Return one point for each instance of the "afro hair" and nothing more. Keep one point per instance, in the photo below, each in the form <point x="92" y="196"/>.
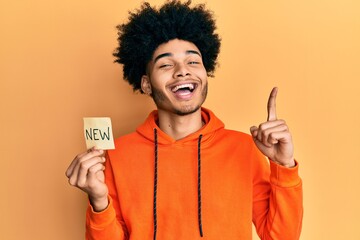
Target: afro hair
<point x="149" y="27"/>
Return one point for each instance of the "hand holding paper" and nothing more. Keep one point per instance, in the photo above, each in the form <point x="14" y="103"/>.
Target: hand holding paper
<point x="86" y="171"/>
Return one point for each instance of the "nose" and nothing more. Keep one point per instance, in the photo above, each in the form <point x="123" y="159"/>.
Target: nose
<point x="181" y="70"/>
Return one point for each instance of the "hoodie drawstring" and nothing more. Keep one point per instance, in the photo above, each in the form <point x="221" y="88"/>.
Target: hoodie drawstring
<point x="156" y="180"/>
<point x="199" y="186"/>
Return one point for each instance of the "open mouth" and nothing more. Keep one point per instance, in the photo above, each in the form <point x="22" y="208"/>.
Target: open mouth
<point x="185" y="88"/>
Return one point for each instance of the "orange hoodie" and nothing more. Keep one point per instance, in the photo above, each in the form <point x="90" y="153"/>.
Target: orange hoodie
<point x="214" y="182"/>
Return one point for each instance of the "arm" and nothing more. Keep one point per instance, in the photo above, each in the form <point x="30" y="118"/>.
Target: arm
<point x="277" y="206"/>
<point x="277" y="201"/>
<point x="107" y="224"/>
<point x="86" y="172"/>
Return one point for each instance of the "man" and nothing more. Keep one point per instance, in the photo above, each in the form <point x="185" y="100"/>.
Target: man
<point x="182" y="175"/>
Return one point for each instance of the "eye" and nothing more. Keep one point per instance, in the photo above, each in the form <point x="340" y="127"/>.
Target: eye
<point x="165" y="65"/>
<point x="193" y="62"/>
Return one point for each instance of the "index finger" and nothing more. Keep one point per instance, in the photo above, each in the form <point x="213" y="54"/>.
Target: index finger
<point x="271" y="106"/>
<point x="88" y="154"/>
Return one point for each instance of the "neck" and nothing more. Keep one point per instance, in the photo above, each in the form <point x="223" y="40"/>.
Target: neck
<point x="178" y="126"/>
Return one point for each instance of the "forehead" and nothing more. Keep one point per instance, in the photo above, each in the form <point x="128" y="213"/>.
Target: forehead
<point x="174" y="47"/>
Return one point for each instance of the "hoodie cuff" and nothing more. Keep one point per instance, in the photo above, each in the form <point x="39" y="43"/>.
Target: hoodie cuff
<point x="103" y="218"/>
<point x="284" y="177"/>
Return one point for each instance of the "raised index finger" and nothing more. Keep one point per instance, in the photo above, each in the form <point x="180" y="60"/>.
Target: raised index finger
<point x="271" y="106"/>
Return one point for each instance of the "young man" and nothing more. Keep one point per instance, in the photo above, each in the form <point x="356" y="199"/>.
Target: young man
<point x="182" y="175"/>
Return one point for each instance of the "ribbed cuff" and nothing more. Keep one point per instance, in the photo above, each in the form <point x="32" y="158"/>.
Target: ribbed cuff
<point x="284" y="177"/>
<point x="103" y="218"/>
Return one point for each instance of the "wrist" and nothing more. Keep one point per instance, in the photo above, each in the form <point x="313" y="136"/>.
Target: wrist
<point x="288" y="163"/>
<point x="99" y="204"/>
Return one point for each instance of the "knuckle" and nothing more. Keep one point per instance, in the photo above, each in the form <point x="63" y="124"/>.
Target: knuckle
<point x="282" y="121"/>
<point x="285" y="127"/>
<point x="72" y="182"/>
<point x="272" y="136"/>
<point x="82" y="159"/>
<point x="266" y="132"/>
<point x="93" y="169"/>
<point x="77" y="157"/>
<point x="81" y="185"/>
<point x="83" y="165"/>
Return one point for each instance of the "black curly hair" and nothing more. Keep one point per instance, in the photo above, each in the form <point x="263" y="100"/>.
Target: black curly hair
<point x="149" y="27"/>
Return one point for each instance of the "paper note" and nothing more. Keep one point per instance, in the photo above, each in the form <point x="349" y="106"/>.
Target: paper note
<point x="98" y="133"/>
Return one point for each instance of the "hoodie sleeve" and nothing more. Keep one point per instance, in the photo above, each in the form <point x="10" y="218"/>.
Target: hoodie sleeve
<point x="277" y="200"/>
<point x="108" y="224"/>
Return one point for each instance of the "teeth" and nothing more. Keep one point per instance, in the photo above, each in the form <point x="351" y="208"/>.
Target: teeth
<point x="187" y="85"/>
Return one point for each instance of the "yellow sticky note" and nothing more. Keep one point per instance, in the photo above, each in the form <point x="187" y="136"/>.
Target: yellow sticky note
<point x="98" y="133"/>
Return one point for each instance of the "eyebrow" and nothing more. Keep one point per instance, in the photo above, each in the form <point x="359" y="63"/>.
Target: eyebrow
<point x="170" y="54"/>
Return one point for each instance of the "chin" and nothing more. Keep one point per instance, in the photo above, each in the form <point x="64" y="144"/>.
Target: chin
<point x="187" y="110"/>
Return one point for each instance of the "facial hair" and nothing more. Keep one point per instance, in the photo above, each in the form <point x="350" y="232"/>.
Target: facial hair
<point x="161" y="99"/>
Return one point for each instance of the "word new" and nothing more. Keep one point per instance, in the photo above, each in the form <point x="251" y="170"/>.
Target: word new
<point x="95" y="133"/>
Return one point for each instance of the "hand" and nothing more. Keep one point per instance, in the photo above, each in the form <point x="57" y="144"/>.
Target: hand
<point x="86" y="172"/>
<point x="273" y="137"/>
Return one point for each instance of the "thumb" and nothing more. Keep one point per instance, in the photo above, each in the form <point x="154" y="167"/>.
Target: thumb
<point x="254" y="131"/>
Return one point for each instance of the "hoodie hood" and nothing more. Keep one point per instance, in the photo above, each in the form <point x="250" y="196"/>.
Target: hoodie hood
<point x="212" y="124"/>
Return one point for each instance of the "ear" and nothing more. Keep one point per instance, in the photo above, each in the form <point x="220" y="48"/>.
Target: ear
<point x="145" y="85"/>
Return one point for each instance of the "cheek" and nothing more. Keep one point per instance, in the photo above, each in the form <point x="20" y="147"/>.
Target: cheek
<point x="157" y="95"/>
<point x="158" y="80"/>
<point x="204" y="77"/>
<point x="205" y="90"/>
<point x="202" y="74"/>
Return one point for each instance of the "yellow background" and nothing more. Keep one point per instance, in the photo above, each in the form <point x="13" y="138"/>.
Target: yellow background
<point x="56" y="67"/>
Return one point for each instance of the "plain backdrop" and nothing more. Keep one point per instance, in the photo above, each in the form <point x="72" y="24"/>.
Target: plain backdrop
<point x="56" y="67"/>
